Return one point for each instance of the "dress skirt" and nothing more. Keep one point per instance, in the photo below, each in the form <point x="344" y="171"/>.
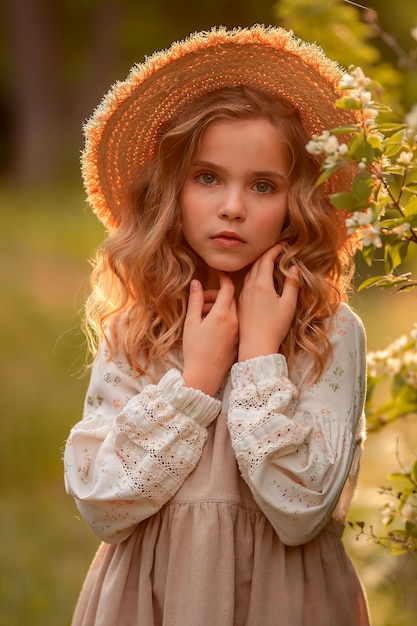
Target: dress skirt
<point x="210" y="557"/>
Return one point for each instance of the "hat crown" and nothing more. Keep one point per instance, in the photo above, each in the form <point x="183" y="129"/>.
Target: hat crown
<point x="122" y="134"/>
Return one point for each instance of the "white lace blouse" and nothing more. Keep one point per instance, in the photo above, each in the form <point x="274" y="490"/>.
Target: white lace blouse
<point x="297" y="445"/>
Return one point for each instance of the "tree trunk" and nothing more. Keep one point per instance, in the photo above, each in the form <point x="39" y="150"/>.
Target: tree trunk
<point x="38" y="105"/>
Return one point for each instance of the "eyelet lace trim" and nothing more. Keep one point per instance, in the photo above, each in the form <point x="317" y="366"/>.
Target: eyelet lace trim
<point x="272" y="401"/>
<point x="251" y="455"/>
<point x="161" y="452"/>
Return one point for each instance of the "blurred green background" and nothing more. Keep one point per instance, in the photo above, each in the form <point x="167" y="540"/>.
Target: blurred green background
<point x="57" y="60"/>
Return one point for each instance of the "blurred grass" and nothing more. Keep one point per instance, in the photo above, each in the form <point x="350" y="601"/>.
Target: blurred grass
<point x="46" y="238"/>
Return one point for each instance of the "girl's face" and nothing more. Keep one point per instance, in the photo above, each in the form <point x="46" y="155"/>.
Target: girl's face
<point x="234" y="199"/>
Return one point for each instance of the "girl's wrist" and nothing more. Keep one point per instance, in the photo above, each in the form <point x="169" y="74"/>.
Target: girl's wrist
<point x="201" y="383"/>
<point x="254" y="350"/>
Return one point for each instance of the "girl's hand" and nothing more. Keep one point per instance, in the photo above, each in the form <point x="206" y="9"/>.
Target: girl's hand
<point x="264" y="316"/>
<point x="210" y="335"/>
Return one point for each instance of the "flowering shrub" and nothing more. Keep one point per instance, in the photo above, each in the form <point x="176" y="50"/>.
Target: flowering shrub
<point x="381" y="213"/>
<point x="399" y="514"/>
<point x="397" y="366"/>
<point x="381" y="208"/>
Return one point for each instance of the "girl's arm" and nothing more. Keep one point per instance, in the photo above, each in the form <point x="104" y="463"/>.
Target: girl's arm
<point x="135" y="446"/>
<point x="138" y="442"/>
<point x="295" y="451"/>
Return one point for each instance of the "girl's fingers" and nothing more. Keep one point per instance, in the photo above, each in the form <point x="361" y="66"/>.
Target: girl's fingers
<point x="195" y="302"/>
<point x="201" y="302"/>
<point x="291" y="288"/>
<point x="227" y="290"/>
<point x="265" y="263"/>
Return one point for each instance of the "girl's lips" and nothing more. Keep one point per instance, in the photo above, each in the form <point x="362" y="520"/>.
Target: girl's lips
<point x="227" y="240"/>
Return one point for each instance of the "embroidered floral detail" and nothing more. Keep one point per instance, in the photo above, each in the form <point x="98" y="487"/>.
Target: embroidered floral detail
<point x="334" y="379"/>
<point x="113" y="380"/>
<point x="94" y="401"/>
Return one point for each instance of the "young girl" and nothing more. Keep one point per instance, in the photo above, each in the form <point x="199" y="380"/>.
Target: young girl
<point x="222" y="431"/>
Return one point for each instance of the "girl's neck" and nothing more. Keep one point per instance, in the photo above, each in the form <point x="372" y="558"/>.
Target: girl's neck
<point x="210" y="279"/>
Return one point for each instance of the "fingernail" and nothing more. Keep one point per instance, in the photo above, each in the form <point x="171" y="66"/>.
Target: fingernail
<point x="294" y="270"/>
<point x="195" y="285"/>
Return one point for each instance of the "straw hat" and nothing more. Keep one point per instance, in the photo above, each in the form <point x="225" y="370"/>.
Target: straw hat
<point x="121" y="134"/>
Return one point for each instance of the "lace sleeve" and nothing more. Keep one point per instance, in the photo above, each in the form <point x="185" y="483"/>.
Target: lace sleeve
<point x="295" y="448"/>
<point x="134" y="447"/>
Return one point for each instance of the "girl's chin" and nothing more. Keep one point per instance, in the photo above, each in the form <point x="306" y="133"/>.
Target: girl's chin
<point x="209" y="276"/>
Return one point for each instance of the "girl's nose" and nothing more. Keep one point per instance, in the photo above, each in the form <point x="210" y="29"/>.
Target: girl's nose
<point x="233" y="207"/>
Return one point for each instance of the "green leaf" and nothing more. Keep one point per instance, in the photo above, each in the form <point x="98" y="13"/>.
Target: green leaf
<point x="368" y="255"/>
<point x="411" y="529"/>
<point x="348" y="103"/>
<point x="410" y="208"/>
<point x="393" y="144"/>
<point x="407" y="286"/>
<point x="360" y="148"/>
<point x="346" y="130"/>
<point x="394" y="254"/>
<point x="411" y="174"/>
<point x="344" y="200"/>
<point x="405" y="402"/>
<point x="394" y="169"/>
<point x="390" y="127"/>
<point x="362" y="186"/>
<point x="375" y="142"/>
<point x="392" y="223"/>
<point x="398" y="476"/>
<point x="404" y="497"/>
<point x="383" y="282"/>
<point x="325" y="174"/>
<point x="370" y="282"/>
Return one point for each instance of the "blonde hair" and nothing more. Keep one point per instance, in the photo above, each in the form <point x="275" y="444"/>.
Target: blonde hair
<point x="144" y="268"/>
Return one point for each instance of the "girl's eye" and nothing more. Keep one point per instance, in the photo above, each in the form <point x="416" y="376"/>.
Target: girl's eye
<point x="207" y="178"/>
<point x="263" y="187"/>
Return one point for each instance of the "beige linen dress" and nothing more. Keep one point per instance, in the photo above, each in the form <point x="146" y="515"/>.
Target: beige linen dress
<point x="226" y="511"/>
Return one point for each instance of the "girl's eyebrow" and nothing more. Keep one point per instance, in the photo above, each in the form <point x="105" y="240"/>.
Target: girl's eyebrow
<point x="256" y="174"/>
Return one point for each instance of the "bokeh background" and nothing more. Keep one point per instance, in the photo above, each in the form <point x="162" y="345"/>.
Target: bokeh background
<point x="58" y="57"/>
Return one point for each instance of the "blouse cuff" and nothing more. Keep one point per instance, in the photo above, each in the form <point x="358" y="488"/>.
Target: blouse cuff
<point x="258" y="370"/>
<point x="192" y="402"/>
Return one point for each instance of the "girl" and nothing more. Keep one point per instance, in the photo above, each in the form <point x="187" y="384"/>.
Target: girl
<point x="223" y="423"/>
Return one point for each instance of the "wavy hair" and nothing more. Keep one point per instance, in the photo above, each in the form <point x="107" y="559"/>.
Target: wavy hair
<point x="143" y="270"/>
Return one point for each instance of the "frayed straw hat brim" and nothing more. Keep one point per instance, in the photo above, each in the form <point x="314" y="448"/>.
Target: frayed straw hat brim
<point x="122" y="133"/>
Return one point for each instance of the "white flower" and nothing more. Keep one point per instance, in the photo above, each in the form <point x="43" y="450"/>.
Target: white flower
<point x="347" y="81"/>
<point x="366" y="98"/>
<point x="354" y="79"/>
<point x="331" y="145"/>
<point x="314" y="147"/>
<point x="409" y="512"/>
<point x="401" y="229"/>
<point x="343" y="148"/>
<point x="405" y="158"/>
<point x="360" y="77"/>
<point x="399" y="344"/>
<point x="358" y="218"/>
<point x="388" y="513"/>
<point x="331" y="161"/>
<point x="411" y="118"/>
<point x="410" y="359"/>
<point x="393" y="366"/>
<point x="370" y="236"/>
<point x="364" y="217"/>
